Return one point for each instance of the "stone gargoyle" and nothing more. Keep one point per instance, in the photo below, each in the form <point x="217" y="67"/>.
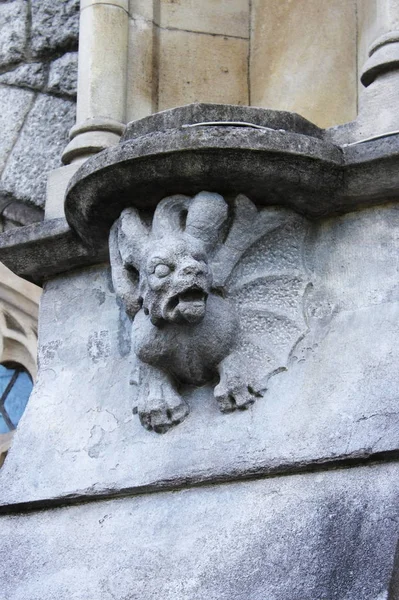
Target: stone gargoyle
<point x="215" y="294"/>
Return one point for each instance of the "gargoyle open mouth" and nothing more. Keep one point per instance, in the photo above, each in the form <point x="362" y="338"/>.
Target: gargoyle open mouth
<point x="189" y="305"/>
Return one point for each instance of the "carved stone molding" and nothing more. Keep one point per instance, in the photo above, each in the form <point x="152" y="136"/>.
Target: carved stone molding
<point x="18" y="330"/>
<point x="19" y="305"/>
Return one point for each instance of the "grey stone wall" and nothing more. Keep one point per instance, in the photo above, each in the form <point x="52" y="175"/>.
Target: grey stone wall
<point x="38" y="73"/>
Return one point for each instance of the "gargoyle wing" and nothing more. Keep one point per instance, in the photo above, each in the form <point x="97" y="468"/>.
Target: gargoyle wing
<point x="125" y="279"/>
<point x="248" y="226"/>
<point x="262" y="271"/>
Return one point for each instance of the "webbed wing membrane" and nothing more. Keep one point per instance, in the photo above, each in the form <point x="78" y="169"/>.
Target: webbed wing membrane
<point x="248" y="226"/>
<point x="261" y="268"/>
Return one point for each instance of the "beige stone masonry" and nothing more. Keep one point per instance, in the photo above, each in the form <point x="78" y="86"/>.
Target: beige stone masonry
<point x="143" y="9"/>
<point x="57" y="183"/>
<point x="201" y="68"/>
<point x="303" y="58"/>
<point x="186" y="51"/>
<point x="223" y="17"/>
<point x="141" y="98"/>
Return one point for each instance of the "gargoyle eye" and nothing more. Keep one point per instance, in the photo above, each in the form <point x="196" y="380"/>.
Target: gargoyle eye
<point x="162" y="270"/>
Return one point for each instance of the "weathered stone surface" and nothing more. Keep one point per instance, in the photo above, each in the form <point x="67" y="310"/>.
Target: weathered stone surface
<point x="314" y="536"/>
<point x="286" y="69"/>
<point x="269" y="164"/>
<point x="63" y="74"/>
<point x="45" y="250"/>
<point x="140" y="76"/>
<point x="207" y="16"/>
<point x="38" y="149"/>
<point x="54" y="26"/>
<point x="198" y="67"/>
<point x="273" y="158"/>
<point x="31" y="75"/>
<point x="13" y="17"/>
<point x="199" y="113"/>
<point x="17" y="214"/>
<point x="14" y="106"/>
<point x="337" y="400"/>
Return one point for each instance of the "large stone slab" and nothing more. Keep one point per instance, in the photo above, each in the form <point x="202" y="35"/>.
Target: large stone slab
<point x="220" y="64"/>
<point x="55" y="26"/>
<point x="63" y="74"/>
<point x="273" y="157"/>
<point x="286" y="73"/>
<point x="337" y="400"/>
<point x="318" y="536"/>
<point x="207" y="17"/>
<point x="38" y="149"/>
<point x="30" y="75"/>
<point x="13" y="25"/>
<point x="14" y="106"/>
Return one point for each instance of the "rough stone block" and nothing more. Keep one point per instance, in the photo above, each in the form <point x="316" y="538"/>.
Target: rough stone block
<point x="207" y="16"/>
<point x="13" y="16"/>
<point x="14" y="106"/>
<point x="30" y="75"/>
<point x="196" y="67"/>
<point x="318" y="536"/>
<point x="38" y="149"/>
<point x="303" y="58"/>
<point x="64" y="74"/>
<point x="55" y="26"/>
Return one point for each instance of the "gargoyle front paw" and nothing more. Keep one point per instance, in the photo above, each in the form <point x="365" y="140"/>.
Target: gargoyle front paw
<point x="235" y="398"/>
<point x="159" y="414"/>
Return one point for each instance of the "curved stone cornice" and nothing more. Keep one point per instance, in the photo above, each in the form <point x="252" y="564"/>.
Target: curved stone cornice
<point x="275" y="158"/>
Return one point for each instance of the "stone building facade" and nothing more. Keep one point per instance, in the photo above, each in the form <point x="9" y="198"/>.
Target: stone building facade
<point x="215" y="410"/>
<point x="38" y="72"/>
<point x="38" y="79"/>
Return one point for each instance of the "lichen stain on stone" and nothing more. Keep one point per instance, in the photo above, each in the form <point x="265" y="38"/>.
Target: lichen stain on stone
<point x="48" y="352"/>
<point x="98" y="346"/>
<point x="100" y="296"/>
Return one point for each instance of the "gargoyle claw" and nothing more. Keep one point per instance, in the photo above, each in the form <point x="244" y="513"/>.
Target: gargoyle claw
<point x="162" y="416"/>
<point x="239" y="399"/>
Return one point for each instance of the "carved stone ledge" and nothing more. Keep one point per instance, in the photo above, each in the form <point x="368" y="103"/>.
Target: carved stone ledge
<point x="42" y="250"/>
<point x="275" y="158"/>
<point x="272" y="157"/>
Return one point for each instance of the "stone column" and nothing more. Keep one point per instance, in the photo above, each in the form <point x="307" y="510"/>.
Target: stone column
<point x="378" y="65"/>
<point x="103" y="50"/>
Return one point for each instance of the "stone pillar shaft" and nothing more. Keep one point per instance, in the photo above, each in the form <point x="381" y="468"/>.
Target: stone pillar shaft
<point x="103" y="44"/>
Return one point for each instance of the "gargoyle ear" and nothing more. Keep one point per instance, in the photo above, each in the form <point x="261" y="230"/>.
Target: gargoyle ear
<point x="132" y="237"/>
<point x="170" y="215"/>
<point x="206" y="214"/>
<point x="125" y="282"/>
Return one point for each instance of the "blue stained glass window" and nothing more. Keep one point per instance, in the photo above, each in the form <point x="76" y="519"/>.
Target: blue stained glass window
<point x="15" y="389"/>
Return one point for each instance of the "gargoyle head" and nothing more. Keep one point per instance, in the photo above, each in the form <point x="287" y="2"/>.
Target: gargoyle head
<point x="176" y="280"/>
<point x="172" y="258"/>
